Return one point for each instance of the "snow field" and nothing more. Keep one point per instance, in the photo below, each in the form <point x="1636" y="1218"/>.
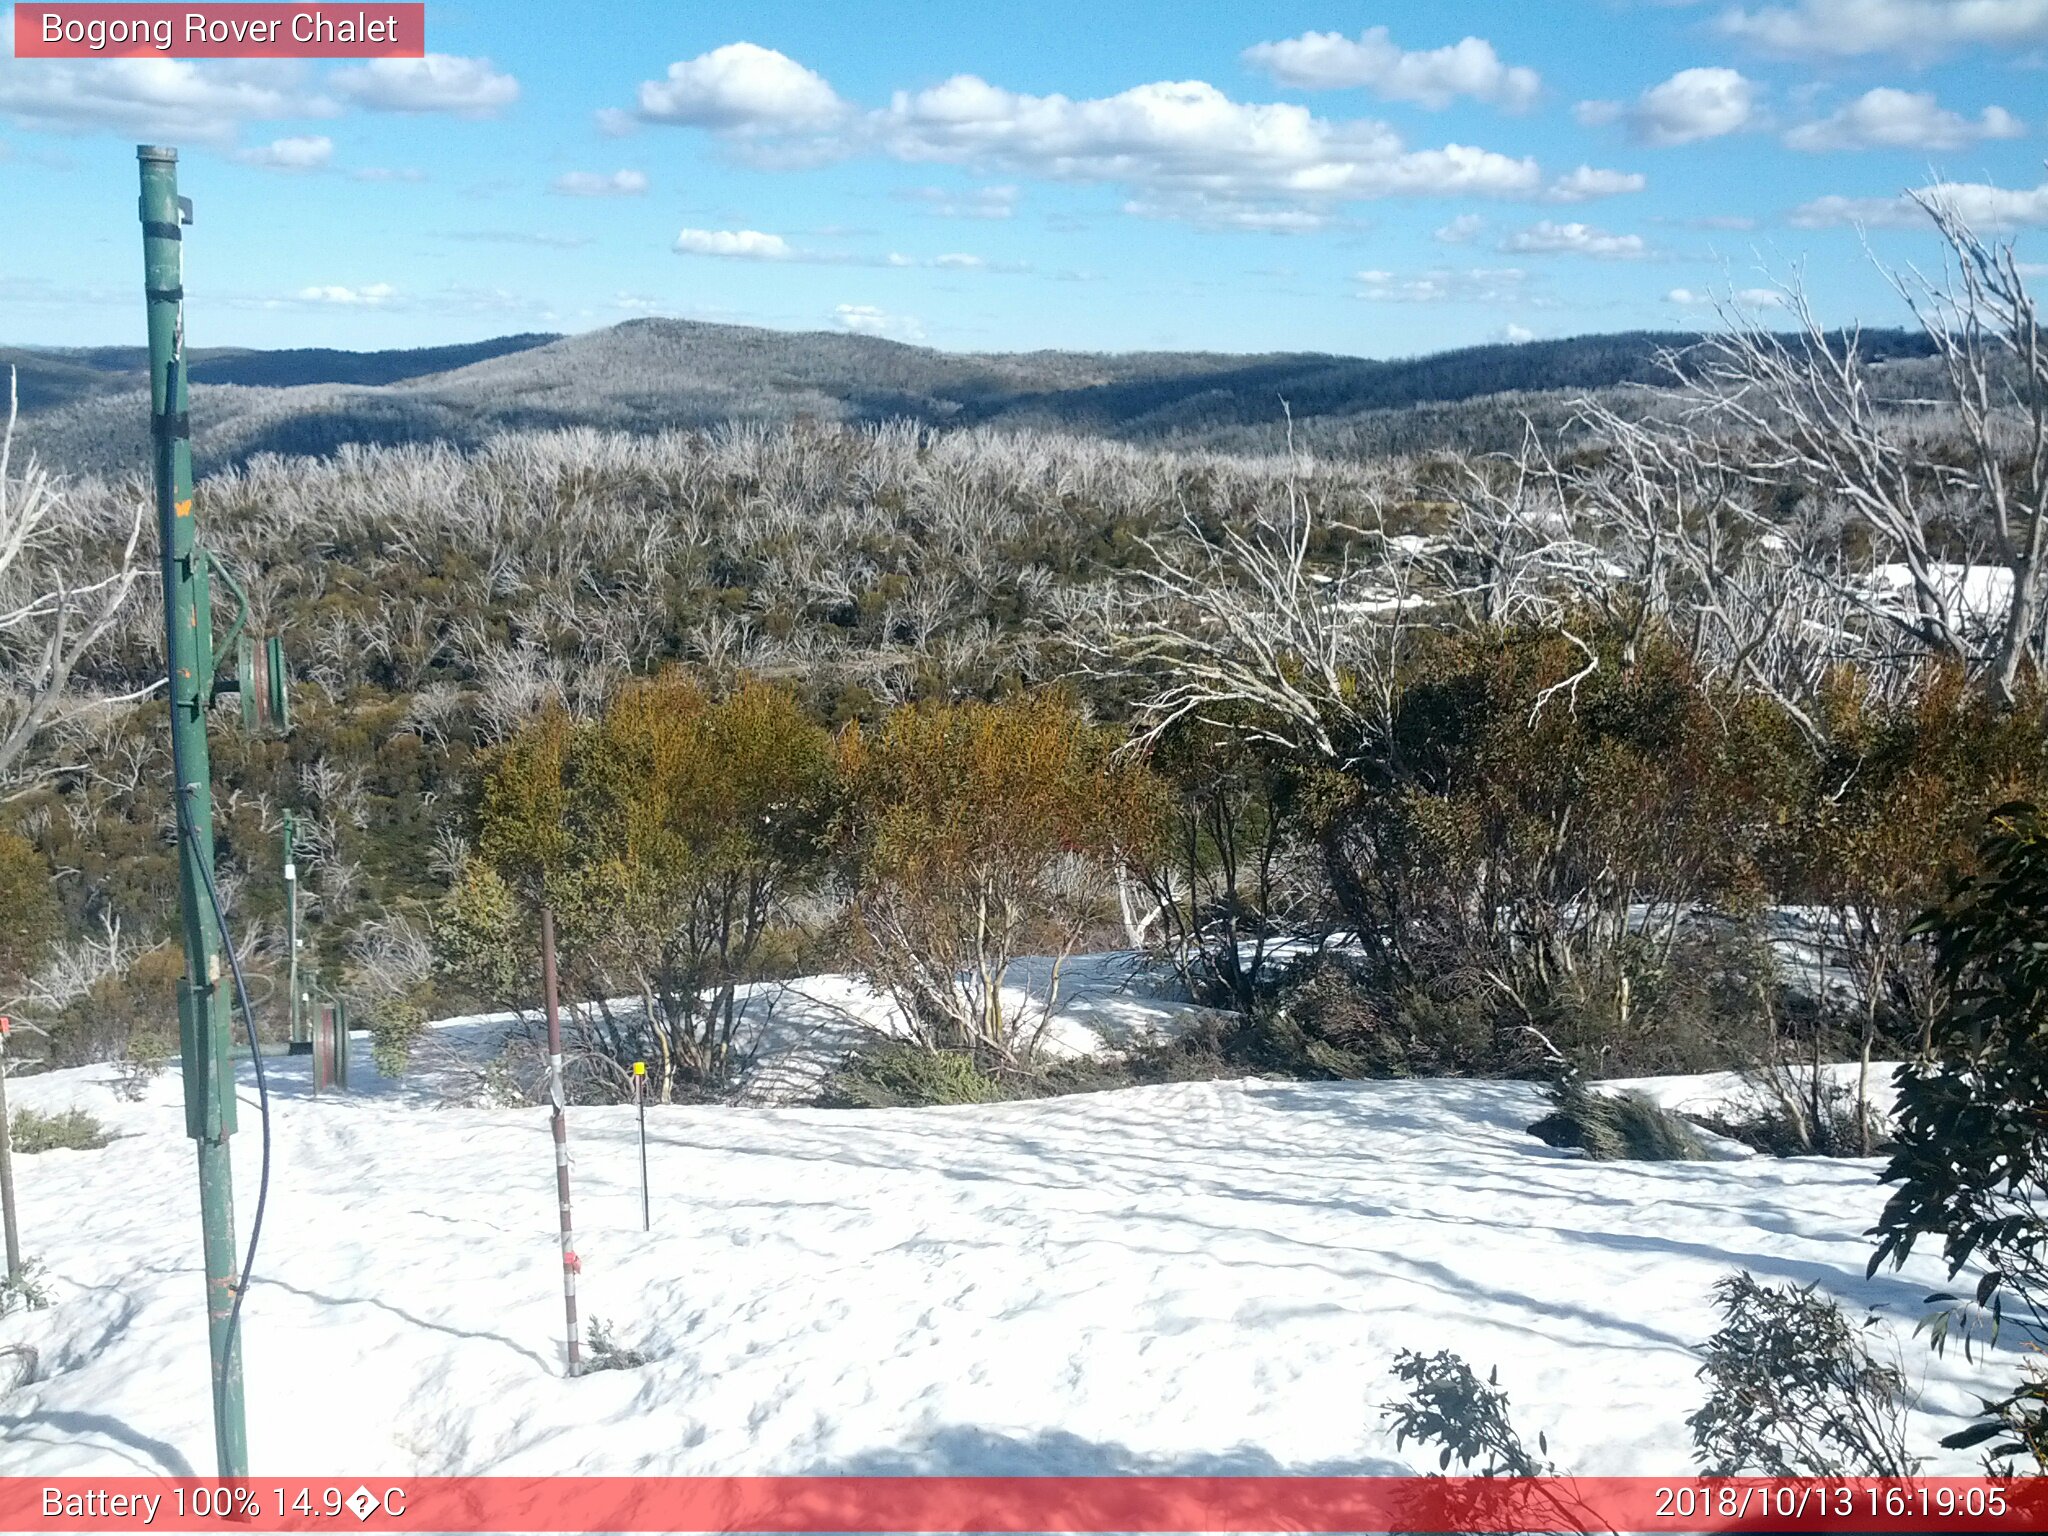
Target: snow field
<point x="1191" y="1278"/>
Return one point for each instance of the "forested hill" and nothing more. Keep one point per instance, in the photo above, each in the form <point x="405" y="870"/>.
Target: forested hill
<point x="83" y="409"/>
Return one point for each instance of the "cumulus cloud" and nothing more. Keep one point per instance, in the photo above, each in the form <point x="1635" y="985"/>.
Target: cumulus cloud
<point x="737" y="244"/>
<point x="1516" y="334"/>
<point x="372" y="294"/>
<point x="1981" y="205"/>
<point x="599" y="184"/>
<point x="1462" y="230"/>
<point x="1549" y="238"/>
<point x="440" y="82"/>
<point x="1886" y="118"/>
<point x="1917" y="29"/>
<point x="1432" y="78"/>
<point x="867" y="320"/>
<point x="1693" y="104"/>
<point x="153" y="98"/>
<point x="741" y="87"/>
<point x="1588" y="183"/>
<point x="308" y="153"/>
<point x="1444" y="285"/>
<point x="1182" y="149"/>
<point x="1743" y="298"/>
<point x="1185" y="135"/>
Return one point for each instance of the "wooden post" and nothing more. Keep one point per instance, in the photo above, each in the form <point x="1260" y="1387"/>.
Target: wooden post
<point x="341" y="1044"/>
<point x="7" y="1165"/>
<point x="640" y="1102"/>
<point x="559" y="1124"/>
<point x="323" y="1048"/>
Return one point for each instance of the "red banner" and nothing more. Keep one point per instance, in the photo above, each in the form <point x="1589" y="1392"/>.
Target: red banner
<point x="1019" y="1504"/>
<point x="101" y="31"/>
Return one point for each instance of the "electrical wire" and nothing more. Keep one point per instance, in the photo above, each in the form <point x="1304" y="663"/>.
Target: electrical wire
<point x="227" y="943"/>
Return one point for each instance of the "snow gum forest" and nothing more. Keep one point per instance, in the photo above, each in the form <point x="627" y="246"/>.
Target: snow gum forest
<point x="1512" y="954"/>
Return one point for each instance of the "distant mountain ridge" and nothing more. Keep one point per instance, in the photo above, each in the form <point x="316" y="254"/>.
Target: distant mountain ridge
<point x="82" y="407"/>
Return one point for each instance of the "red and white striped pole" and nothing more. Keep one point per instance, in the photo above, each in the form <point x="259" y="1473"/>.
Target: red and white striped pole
<point x="559" y="1123"/>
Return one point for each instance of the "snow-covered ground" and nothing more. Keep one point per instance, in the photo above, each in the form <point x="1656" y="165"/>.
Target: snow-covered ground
<point x="1200" y="1277"/>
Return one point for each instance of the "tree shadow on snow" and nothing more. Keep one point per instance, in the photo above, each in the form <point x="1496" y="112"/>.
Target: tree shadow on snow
<point x="966" y="1450"/>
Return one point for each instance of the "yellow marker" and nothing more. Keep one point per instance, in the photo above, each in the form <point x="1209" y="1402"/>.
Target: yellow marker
<point x="185" y="507"/>
<point x="639" y="1069"/>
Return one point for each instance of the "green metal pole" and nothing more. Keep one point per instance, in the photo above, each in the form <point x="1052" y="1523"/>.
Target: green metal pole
<point x="205" y="1038"/>
<point x="298" y="1021"/>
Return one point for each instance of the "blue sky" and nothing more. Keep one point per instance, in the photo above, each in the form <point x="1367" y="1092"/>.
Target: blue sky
<point x="1382" y="179"/>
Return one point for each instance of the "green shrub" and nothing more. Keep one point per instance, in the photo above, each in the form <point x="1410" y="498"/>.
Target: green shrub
<point x="394" y="1032"/>
<point x="1795" y="1391"/>
<point x="1971" y="1163"/>
<point x="32" y="1131"/>
<point x="1821" y="1120"/>
<point x="606" y="1354"/>
<point x="977" y="834"/>
<point x="24" y="1291"/>
<point x="898" y="1075"/>
<point x="1450" y="1407"/>
<point x="1614" y="1127"/>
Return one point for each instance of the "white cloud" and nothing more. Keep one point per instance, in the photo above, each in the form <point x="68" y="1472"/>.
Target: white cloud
<point x="1515" y="335"/>
<point x="741" y="87"/>
<point x="157" y="98"/>
<point x="1745" y="298"/>
<point x="372" y="294"/>
<point x="599" y="184"/>
<point x="439" y="82"/>
<point x="1887" y="118"/>
<point x="1917" y="29"/>
<point x="1435" y="78"/>
<point x="975" y="203"/>
<point x="1983" y="206"/>
<point x="1693" y="104"/>
<point x="867" y="320"/>
<point x="308" y="153"/>
<point x="1444" y="285"/>
<point x="1588" y="182"/>
<point x="1229" y="213"/>
<point x="1183" y="149"/>
<point x="1185" y="136"/>
<point x="1549" y="238"/>
<point x="960" y="260"/>
<point x="1462" y="230"/>
<point x="740" y="244"/>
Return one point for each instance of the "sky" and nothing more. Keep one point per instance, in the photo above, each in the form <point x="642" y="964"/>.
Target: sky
<point x="1382" y="180"/>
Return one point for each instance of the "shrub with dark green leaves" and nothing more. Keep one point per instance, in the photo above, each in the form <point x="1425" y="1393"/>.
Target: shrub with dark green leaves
<point x="1611" y="1127"/>
<point x="1795" y="1390"/>
<point x="1450" y="1407"/>
<point x="1971" y="1163"/>
<point x="606" y="1354"/>
<point x="396" y="1029"/>
<point x="32" y="1131"/>
<point x="898" y="1075"/>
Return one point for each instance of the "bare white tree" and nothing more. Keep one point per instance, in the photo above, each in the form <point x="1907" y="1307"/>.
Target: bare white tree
<point x="1802" y="412"/>
<point x="49" y="622"/>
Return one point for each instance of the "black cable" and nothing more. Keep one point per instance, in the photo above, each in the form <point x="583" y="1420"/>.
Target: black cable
<point x="220" y="919"/>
